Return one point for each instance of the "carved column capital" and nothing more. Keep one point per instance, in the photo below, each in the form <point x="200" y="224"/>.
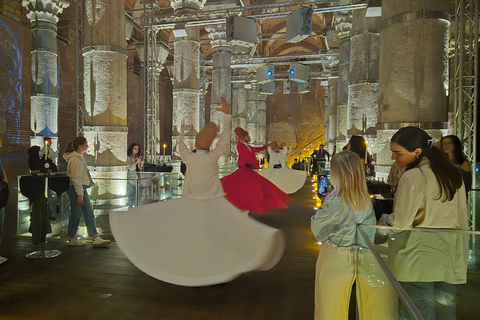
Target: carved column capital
<point x="217" y="33"/>
<point x="187" y="4"/>
<point x="44" y="9"/>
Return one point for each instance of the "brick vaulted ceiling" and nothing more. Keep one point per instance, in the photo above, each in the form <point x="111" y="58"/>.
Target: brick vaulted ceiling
<point x="271" y="31"/>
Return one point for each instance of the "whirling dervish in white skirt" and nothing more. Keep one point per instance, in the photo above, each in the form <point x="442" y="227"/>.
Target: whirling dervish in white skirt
<point x="200" y="239"/>
<point x="287" y="180"/>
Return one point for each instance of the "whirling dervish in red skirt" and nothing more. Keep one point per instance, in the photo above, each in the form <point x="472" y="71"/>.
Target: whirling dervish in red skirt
<point x="245" y="188"/>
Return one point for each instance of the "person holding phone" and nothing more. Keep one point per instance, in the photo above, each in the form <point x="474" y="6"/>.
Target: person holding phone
<point x="134" y="164"/>
<point x="335" y="225"/>
<point x="135" y="160"/>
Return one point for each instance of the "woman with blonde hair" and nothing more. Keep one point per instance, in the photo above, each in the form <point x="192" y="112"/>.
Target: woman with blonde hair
<point x="335" y="224"/>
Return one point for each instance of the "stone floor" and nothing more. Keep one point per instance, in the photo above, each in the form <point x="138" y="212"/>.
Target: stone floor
<point x="101" y="283"/>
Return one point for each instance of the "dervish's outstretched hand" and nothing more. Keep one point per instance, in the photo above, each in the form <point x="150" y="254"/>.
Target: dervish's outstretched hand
<point x="224" y="107"/>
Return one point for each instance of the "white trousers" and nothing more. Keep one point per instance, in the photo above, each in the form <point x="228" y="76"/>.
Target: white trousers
<point x="337" y="269"/>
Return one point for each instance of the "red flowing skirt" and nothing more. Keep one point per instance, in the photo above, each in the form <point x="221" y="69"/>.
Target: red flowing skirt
<point x="247" y="190"/>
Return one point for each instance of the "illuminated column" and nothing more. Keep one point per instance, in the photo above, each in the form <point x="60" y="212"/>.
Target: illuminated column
<point x="342" y="91"/>
<point x="413" y="74"/>
<point x="363" y="77"/>
<point x="332" y="116"/>
<point x="262" y="119"/>
<point x="105" y="84"/>
<point x="252" y="114"/>
<point x="221" y="72"/>
<point x="343" y="25"/>
<point x="326" y="118"/>
<point x="44" y="91"/>
<point x="239" y="103"/>
<point x="186" y="78"/>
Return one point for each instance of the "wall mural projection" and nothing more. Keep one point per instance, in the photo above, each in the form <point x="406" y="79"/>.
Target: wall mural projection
<point x="11" y="88"/>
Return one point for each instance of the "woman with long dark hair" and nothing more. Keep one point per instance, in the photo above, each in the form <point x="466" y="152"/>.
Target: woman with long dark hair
<point x="430" y="194"/>
<point x="452" y="147"/>
<point x="80" y="204"/>
<point x="429" y="185"/>
<point x="134" y="158"/>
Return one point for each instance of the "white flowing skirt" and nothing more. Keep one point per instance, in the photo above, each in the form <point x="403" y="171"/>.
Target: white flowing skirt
<point x="287" y="180"/>
<point x="192" y="242"/>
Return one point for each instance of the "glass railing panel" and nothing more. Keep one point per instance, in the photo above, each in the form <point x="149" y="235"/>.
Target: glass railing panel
<point x="105" y="195"/>
<point x="432" y="273"/>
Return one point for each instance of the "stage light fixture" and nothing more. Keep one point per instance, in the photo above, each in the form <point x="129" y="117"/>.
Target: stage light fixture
<point x="241" y="31"/>
<point x="268" y="88"/>
<point x="299" y="25"/>
<point x="265" y="73"/>
<point x="298" y="72"/>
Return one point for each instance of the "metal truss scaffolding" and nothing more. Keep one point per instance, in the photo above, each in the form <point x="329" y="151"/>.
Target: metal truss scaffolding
<point x="466" y="80"/>
<point x="151" y="93"/>
<point x="79" y="15"/>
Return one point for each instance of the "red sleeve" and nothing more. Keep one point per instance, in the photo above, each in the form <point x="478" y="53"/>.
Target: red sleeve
<point x="258" y="149"/>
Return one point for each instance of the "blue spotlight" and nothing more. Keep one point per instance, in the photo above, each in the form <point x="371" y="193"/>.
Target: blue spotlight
<point x="292" y="71"/>
<point x="269" y="73"/>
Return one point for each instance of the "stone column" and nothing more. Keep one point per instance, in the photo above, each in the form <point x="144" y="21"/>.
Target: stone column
<point x="262" y="119"/>
<point x="326" y="119"/>
<point x="105" y="84"/>
<point x="252" y="114"/>
<point x="221" y="72"/>
<point x="44" y="90"/>
<point x="342" y="92"/>
<point x="186" y="78"/>
<point x="332" y="117"/>
<point x="413" y="75"/>
<point x="239" y="103"/>
<point x="363" y="77"/>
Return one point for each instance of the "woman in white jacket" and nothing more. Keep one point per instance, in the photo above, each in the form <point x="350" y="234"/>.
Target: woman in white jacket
<point x="80" y="180"/>
<point x="430" y="194"/>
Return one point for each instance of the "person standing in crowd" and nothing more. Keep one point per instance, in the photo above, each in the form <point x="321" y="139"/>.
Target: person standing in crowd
<point x="80" y="204"/>
<point x="430" y="194"/>
<point x="296" y="165"/>
<point x="37" y="164"/>
<point x="323" y="157"/>
<point x="3" y="178"/>
<point x="335" y="224"/>
<point x="135" y="160"/>
<point x="245" y="188"/>
<point x="135" y="164"/>
<point x="452" y="147"/>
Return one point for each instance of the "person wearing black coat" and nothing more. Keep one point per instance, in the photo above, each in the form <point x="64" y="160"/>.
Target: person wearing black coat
<point x="37" y="164"/>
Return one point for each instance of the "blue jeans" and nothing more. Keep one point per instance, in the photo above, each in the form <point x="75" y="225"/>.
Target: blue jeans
<point x="434" y="300"/>
<point x="2" y="218"/>
<point x="76" y="212"/>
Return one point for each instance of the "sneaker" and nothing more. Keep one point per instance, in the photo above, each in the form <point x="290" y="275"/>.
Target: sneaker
<point x="99" y="242"/>
<point x="76" y="242"/>
<point x="3" y="259"/>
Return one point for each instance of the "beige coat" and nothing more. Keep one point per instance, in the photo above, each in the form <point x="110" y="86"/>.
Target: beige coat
<point x="77" y="171"/>
<point x="417" y="205"/>
<point x="423" y="255"/>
